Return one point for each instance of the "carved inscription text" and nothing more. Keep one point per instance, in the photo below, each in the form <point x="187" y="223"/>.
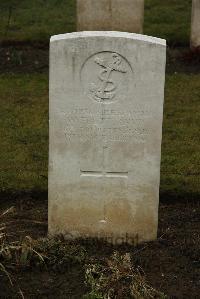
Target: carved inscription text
<point x="108" y="124"/>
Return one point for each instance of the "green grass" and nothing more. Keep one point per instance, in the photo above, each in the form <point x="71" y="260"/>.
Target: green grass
<point x="168" y="19"/>
<point x="180" y="171"/>
<point x="37" y="20"/>
<point x="24" y="134"/>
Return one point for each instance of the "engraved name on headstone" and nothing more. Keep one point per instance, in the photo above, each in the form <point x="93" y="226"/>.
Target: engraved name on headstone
<point x="106" y="109"/>
<point x="116" y="15"/>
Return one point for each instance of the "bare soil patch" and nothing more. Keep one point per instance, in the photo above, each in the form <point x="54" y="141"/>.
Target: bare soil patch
<point x="171" y="264"/>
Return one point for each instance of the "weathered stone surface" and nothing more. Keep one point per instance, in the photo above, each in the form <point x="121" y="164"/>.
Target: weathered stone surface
<point x="116" y="15"/>
<point x="106" y="109"/>
<point x="195" y="27"/>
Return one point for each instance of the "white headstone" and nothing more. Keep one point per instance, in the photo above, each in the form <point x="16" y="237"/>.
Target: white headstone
<point x="106" y="110"/>
<point x="195" y="27"/>
<point x="116" y="15"/>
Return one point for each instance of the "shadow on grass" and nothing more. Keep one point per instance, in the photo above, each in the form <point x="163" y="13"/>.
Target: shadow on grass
<point x="35" y="195"/>
<point x="179" y="196"/>
<point x="167" y="197"/>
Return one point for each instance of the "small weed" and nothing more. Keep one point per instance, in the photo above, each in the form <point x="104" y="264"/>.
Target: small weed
<point x="93" y="295"/>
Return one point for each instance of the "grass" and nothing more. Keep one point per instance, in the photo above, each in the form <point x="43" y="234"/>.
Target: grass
<point x="36" y="20"/>
<point x="24" y="134"/>
<point x="168" y="19"/>
<point x="180" y="168"/>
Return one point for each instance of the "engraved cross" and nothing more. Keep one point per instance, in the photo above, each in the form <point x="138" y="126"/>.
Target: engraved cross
<point x="103" y="173"/>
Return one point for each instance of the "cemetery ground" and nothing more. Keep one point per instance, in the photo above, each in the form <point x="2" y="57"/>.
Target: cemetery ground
<point x="171" y="264"/>
<point x="33" y="266"/>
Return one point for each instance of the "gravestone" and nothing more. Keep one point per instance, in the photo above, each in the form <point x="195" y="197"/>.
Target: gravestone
<point x="116" y="15"/>
<point x="106" y="110"/>
<point x="195" y="27"/>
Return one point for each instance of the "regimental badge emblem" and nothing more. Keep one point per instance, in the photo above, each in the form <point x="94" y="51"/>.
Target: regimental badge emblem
<point x="107" y="75"/>
<point x="107" y="87"/>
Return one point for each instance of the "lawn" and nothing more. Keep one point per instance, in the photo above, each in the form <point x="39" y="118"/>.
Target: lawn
<point x="180" y="168"/>
<point x="24" y="134"/>
<point x="168" y="19"/>
<point x="24" y="98"/>
<point x="36" y="20"/>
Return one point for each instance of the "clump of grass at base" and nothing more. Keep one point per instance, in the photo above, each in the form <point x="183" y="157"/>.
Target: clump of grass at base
<point x="115" y="278"/>
<point x="52" y="253"/>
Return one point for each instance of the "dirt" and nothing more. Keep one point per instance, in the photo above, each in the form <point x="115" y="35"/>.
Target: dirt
<point x="171" y="264"/>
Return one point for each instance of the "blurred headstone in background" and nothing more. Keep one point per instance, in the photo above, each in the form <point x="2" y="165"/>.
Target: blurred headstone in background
<point x="110" y="15"/>
<point x="195" y="26"/>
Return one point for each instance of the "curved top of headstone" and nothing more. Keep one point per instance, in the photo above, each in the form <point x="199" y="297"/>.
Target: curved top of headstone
<point x="117" y="34"/>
